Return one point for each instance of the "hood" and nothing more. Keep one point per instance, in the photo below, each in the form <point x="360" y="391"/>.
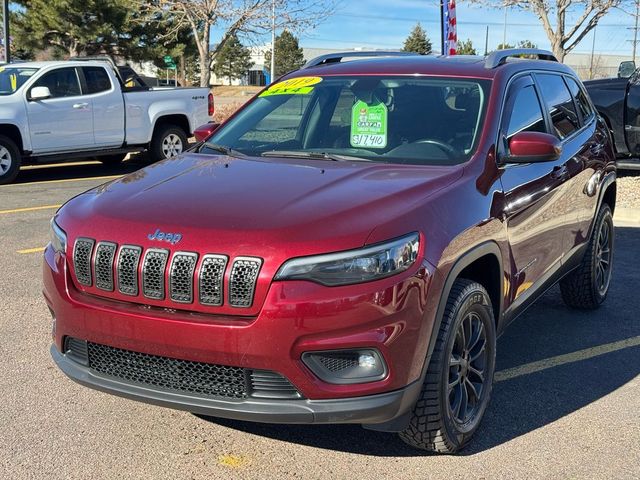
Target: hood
<point x="253" y="206"/>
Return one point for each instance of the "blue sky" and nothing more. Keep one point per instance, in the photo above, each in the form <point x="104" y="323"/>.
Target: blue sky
<point x="386" y="23"/>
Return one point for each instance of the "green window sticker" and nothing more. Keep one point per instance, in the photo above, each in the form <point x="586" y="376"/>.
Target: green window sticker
<point x="369" y="125"/>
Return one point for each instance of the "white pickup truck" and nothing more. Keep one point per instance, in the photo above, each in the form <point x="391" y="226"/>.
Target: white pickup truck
<point x="53" y="111"/>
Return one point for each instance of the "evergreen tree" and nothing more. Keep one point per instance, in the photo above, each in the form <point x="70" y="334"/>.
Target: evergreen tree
<point x="289" y="55"/>
<point x="233" y="61"/>
<point x="504" y="46"/>
<point x="465" y="47"/>
<point x="417" y="41"/>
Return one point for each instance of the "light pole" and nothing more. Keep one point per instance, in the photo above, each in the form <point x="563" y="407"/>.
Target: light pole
<point x="504" y="31"/>
<point x="5" y="29"/>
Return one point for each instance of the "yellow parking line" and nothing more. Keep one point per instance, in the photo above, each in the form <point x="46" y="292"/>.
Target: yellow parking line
<point x="29" y="209"/>
<point x="64" y="180"/>
<point x="58" y="165"/>
<point x="32" y="250"/>
<point x="578" y="356"/>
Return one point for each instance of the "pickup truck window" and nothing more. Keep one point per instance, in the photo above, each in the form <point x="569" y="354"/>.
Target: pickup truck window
<point x="581" y="99"/>
<point x="559" y="104"/>
<point x="97" y="79"/>
<point x="526" y="115"/>
<point x="12" y="78"/>
<point x="61" y="83"/>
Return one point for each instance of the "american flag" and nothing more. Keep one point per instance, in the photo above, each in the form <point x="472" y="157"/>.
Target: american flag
<point x="449" y="26"/>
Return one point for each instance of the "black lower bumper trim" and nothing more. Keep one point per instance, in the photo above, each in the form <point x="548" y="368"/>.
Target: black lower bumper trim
<point x="372" y="409"/>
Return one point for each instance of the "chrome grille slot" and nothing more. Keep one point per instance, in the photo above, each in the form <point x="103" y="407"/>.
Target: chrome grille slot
<point x="82" y="252"/>
<point x="242" y="281"/>
<point x="211" y="279"/>
<point x="153" y="270"/>
<point x="103" y="265"/>
<point x="183" y="266"/>
<point x="128" y="260"/>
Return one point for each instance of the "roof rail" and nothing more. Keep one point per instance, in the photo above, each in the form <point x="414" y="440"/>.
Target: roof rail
<point x="499" y="57"/>
<point x="338" y="56"/>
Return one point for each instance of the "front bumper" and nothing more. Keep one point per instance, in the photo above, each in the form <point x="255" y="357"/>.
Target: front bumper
<point x="371" y="409"/>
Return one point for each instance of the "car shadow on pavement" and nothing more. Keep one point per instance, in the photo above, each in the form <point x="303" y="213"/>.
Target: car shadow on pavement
<point x="79" y="169"/>
<point x="531" y="401"/>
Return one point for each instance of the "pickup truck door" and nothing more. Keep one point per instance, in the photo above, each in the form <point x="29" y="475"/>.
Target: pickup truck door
<point x="632" y="115"/>
<point x="64" y="121"/>
<point x="107" y="106"/>
<point x="536" y="210"/>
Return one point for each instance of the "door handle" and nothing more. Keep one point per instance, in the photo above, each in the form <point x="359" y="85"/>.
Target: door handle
<point x="80" y="106"/>
<point x="559" y="172"/>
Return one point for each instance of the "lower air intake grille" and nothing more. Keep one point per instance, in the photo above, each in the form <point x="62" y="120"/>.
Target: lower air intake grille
<point x="242" y="281"/>
<point x="82" y="260"/>
<point x="267" y="384"/>
<point x="168" y="373"/>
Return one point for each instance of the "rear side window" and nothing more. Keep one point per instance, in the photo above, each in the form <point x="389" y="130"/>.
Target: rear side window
<point x="61" y="83"/>
<point x="97" y="79"/>
<point x="581" y="99"/>
<point x="559" y="104"/>
<point x="526" y="115"/>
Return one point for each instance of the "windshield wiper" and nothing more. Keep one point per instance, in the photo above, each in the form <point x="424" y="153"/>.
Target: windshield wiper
<point x="223" y="149"/>
<point x="314" y="155"/>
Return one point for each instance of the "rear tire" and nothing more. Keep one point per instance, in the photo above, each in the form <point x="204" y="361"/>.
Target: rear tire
<point x="459" y="379"/>
<point x="587" y="286"/>
<point x="10" y="160"/>
<point x="168" y="141"/>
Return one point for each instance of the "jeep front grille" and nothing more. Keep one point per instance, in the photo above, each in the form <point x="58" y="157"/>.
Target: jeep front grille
<point x="82" y="252"/>
<point x="242" y="281"/>
<point x="153" y="271"/>
<point x="105" y="253"/>
<point x="128" y="269"/>
<point x="156" y="273"/>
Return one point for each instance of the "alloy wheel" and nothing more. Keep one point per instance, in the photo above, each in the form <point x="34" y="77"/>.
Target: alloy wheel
<point x="603" y="257"/>
<point x="172" y="145"/>
<point x="5" y="160"/>
<point x="467" y="364"/>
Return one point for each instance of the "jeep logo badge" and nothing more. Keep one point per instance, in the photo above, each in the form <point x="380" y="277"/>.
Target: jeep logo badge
<point x="172" y="238"/>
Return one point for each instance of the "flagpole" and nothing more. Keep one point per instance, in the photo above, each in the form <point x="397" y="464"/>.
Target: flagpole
<point x="442" y="27"/>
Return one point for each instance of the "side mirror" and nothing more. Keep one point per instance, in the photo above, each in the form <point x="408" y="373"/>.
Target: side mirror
<point x="626" y="69"/>
<point x="529" y="147"/>
<point x="39" y="93"/>
<point x="205" y="131"/>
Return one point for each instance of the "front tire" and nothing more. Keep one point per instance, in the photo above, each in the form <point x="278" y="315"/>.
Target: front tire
<point x="587" y="286"/>
<point x="459" y="379"/>
<point x="168" y="141"/>
<point x="10" y="160"/>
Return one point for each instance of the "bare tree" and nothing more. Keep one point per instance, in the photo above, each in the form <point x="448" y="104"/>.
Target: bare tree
<point x="568" y="32"/>
<point x="247" y="18"/>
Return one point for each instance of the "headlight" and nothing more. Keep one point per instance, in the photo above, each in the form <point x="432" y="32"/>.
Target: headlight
<point x="354" y="266"/>
<point x="58" y="237"/>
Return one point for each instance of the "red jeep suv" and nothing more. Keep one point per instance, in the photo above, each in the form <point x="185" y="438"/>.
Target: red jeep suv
<point x="345" y="249"/>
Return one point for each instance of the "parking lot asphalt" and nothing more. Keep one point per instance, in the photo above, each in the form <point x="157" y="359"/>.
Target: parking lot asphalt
<point x="565" y="404"/>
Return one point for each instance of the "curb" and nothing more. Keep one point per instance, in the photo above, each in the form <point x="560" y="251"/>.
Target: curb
<point x="627" y="217"/>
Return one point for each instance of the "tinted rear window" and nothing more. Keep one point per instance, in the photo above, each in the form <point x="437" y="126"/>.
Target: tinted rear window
<point x="559" y="104"/>
<point x="581" y="99"/>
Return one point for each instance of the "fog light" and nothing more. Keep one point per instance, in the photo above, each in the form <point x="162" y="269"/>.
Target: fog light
<point x="346" y="366"/>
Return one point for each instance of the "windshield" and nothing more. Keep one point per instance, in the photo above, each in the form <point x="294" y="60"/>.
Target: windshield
<point x="413" y="120"/>
<point x="12" y="78"/>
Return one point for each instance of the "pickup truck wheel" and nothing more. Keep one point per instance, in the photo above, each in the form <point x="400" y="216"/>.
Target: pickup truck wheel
<point x="587" y="286"/>
<point x="459" y="379"/>
<point x="9" y="160"/>
<point x="168" y="141"/>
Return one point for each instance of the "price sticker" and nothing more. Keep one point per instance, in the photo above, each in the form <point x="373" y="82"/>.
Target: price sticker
<point x="369" y="125"/>
<point x="293" y="86"/>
